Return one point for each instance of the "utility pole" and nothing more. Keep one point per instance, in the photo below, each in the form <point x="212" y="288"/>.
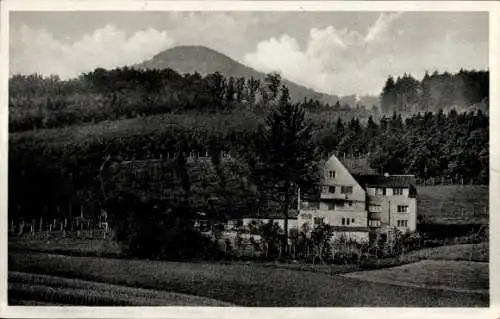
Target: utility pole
<point x="298" y="199"/>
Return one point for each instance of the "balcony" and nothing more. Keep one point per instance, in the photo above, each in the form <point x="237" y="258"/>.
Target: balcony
<point x="336" y="196"/>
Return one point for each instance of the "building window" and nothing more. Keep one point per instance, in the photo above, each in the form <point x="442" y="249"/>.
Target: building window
<point x="340" y="204"/>
<point x="397" y="191"/>
<point x="318" y="221"/>
<point x="374" y="223"/>
<point x="349" y="203"/>
<point x="402" y="223"/>
<point x="402" y="208"/>
<point x="331" y="206"/>
<point x="331" y="174"/>
<point x="346" y="221"/>
<point x="352" y="220"/>
<point x="306" y="216"/>
<point x="380" y="191"/>
<point x="331" y="189"/>
<point x="346" y="190"/>
<point x="374" y="208"/>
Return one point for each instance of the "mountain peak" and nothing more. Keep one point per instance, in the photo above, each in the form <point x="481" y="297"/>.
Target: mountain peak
<point x="205" y="60"/>
<point x="197" y="50"/>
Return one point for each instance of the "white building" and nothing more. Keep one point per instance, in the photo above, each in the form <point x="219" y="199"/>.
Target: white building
<point x="357" y="204"/>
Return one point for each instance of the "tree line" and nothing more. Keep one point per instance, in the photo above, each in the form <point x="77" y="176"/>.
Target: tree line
<point x="462" y="91"/>
<point x="448" y="145"/>
<point x="47" y="102"/>
<point x="37" y="102"/>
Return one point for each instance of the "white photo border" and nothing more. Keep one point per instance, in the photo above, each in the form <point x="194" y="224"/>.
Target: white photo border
<point x="493" y="7"/>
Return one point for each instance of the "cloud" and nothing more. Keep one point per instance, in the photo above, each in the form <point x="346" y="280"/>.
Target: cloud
<point x="333" y="60"/>
<point x="227" y="32"/>
<point x="378" y="30"/>
<point x="347" y="62"/>
<point x="39" y="51"/>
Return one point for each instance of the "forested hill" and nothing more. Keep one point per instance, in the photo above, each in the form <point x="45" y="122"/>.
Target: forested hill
<point x="463" y="91"/>
<point x="61" y="131"/>
<point x="47" y="102"/>
<point x="203" y="60"/>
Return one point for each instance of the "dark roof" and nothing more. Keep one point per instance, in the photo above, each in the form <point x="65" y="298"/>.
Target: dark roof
<point x="403" y="181"/>
<point x="357" y="165"/>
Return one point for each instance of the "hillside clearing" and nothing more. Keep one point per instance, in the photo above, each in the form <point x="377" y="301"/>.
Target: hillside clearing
<point x="454" y="203"/>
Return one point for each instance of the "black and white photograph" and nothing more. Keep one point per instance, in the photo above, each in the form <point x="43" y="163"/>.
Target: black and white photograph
<point x="234" y="157"/>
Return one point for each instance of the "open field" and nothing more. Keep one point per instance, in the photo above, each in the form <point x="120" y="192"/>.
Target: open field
<point x="245" y="285"/>
<point x="51" y="289"/>
<point x="452" y="204"/>
<point x="433" y="274"/>
<point x="467" y="252"/>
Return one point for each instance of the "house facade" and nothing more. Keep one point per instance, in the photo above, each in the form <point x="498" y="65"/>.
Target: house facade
<point x="356" y="204"/>
<point x="342" y="203"/>
<point x="391" y="202"/>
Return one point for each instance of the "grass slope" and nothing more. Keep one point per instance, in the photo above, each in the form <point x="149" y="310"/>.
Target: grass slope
<point x="51" y="289"/>
<point x="465" y="252"/>
<point x="246" y="285"/>
<point x="436" y="274"/>
<point x="454" y="203"/>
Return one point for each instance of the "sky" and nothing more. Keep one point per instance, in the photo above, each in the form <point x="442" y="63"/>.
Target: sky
<point x="332" y="52"/>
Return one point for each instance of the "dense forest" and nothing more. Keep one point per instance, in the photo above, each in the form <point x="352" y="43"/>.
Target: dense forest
<point x="37" y="102"/>
<point x="62" y="131"/>
<point x="464" y="90"/>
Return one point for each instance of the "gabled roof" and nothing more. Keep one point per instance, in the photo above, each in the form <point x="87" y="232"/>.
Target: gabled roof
<point x="355" y="165"/>
<point x="394" y="181"/>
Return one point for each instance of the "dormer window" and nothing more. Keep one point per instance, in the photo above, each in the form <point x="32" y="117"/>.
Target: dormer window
<point x="331" y="174"/>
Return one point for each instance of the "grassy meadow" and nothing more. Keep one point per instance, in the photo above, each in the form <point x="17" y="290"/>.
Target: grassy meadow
<point x="433" y="274"/>
<point x="454" y="204"/>
<point x="241" y="284"/>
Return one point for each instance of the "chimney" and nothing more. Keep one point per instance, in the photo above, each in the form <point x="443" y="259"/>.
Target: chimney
<point x="386" y="174"/>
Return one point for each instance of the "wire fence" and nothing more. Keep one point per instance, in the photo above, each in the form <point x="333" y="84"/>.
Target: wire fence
<point x="72" y="228"/>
